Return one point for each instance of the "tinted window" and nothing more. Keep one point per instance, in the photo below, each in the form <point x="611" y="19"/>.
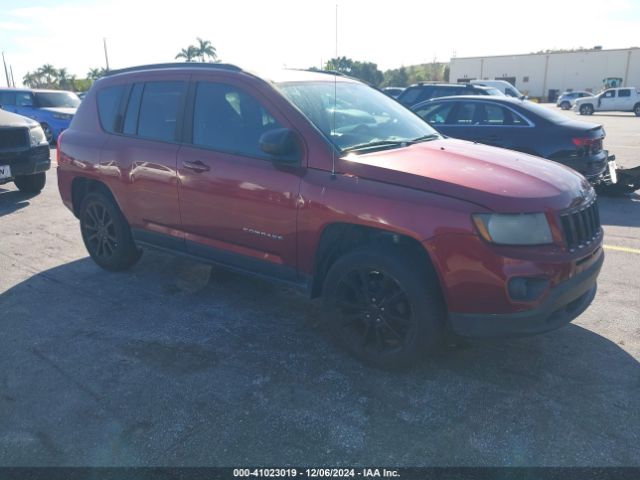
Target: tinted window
<point x="159" y="110"/>
<point x="624" y="93"/>
<point x="496" y="115"/>
<point x="466" y="114"/>
<point x="57" y="99"/>
<point x="410" y="95"/>
<point x="228" y="119"/>
<point x="133" y="108"/>
<point x="609" y="94"/>
<point x="109" y="105"/>
<point x="7" y="98"/>
<point x="437" y="113"/>
<point x="24" y="99"/>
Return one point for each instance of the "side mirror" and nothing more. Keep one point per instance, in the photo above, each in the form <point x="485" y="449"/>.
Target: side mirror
<point x="281" y="143"/>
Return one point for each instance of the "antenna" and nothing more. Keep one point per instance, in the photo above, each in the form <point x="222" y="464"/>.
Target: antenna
<point x="335" y="100"/>
<point x="106" y="57"/>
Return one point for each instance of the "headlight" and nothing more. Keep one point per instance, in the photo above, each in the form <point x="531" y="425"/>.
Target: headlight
<point x="36" y="136"/>
<point x="63" y="116"/>
<point x="514" y="229"/>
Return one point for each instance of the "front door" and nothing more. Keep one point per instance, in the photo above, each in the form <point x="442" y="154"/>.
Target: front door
<point x="238" y="206"/>
<point x="607" y="100"/>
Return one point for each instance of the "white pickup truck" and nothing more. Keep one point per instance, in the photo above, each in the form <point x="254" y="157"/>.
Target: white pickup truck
<point x="610" y="100"/>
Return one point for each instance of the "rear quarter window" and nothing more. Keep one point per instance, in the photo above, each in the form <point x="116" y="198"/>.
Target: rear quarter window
<point x="109" y="99"/>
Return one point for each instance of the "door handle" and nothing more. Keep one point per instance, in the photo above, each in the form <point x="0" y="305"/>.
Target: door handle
<point x="196" y="166"/>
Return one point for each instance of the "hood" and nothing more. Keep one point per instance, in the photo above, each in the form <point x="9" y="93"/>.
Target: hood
<point x="578" y="101"/>
<point x="67" y="110"/>
<point x="8" y="119"/>
<point x="495" y="178"/>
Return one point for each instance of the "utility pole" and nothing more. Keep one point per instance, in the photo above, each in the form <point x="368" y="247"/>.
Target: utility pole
<point x="106" y="57"/>
<point x="6" y="72"/>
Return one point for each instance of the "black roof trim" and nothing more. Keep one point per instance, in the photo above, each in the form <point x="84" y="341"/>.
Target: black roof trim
<point x="162" y="66"/>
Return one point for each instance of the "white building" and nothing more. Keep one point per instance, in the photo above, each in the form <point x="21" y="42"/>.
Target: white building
<point x="544" y="75"/>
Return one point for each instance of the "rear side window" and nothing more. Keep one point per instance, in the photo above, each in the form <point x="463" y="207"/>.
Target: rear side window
<point x="159" y="109"/>
<point x="109" y="99"/>
<point x="229" y="119"/>
<point x="624" y="93"/>
<point x="133" y="108"/>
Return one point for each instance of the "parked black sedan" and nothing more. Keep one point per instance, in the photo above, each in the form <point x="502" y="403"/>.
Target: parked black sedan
<point x="523" y="126"/>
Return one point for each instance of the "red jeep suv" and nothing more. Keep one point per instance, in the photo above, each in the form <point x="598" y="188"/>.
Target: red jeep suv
<point x="326" y="183"/>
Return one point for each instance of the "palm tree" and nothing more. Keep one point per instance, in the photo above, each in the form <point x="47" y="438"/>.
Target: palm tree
<point x="49" y="72"/>
<point x="206" y="49"/>
<point x="95" y="73"/>
<point x="188" y="54"/>
<point x="63" y="78"/>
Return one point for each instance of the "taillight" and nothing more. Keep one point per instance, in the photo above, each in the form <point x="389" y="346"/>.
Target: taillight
<point x="585" y="142"/>
<point x="58" y="147"/>
<point x="586" y="145"/>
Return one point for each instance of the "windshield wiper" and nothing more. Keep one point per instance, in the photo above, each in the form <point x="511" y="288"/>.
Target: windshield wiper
<point x="377" y="144"/>
<point x="425" y="138"/>
<point x="390" y="143"/>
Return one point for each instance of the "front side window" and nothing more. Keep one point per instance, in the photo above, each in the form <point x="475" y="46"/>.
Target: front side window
<point x="353" y="115"/>
<point x="159" y="109"/>
<point x="467" y="114"/>
<point x="435" y="113"/>
<point x="228" y="119"/>
<point x="57" y="100"/>
<point x="609" y="94"/>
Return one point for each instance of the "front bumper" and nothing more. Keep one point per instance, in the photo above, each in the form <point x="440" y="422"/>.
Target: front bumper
<point x="26" y="162"/>
<point x="564" y="303"/>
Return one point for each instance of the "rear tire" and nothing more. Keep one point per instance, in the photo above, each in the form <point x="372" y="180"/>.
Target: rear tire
<point x="586" y="109"/>
<point x="106" y="233"/>
<point x="31" y="183"/>
<point x="636" y="109"/>
<point x="565" y="105"/>
<point x="384" y="309"/>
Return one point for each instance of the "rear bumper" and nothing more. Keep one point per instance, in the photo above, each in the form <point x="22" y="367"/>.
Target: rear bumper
<point x="594" y="168"/>
<point x="563" y="304"/>
<point x="28" y="162"/>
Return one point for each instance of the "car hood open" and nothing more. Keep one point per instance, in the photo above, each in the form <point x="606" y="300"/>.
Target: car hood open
<point x="498" y="179"/>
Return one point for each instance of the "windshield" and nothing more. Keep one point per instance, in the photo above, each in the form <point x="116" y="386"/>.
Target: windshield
<point x="57" y="99"/>
<point x="546" y="113"/>
<point x="355" y="115"/>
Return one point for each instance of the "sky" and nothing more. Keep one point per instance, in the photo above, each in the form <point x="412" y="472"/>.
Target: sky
<point x="263" y="35"/>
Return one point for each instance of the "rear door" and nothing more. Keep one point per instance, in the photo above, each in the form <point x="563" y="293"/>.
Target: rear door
<point x="625" y="100"/>
<point x="145" y="155"/>
<point x="238" y="207"/>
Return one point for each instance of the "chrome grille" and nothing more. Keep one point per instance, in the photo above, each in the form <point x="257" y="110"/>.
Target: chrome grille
<point x="581" y="226"/>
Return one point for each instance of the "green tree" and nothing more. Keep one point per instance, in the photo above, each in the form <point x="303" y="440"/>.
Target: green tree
<point x="95" y="73"/>
<point x="206" y="50"/>
<point x="189" y="53"/>
<point x="49" y="73"/>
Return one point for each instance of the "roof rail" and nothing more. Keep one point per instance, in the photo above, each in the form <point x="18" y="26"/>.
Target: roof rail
<point x="326" y="72"/>
<point x="160" y="66"/>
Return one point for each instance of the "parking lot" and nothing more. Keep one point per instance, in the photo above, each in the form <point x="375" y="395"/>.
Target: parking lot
<point x="179" y="363"/>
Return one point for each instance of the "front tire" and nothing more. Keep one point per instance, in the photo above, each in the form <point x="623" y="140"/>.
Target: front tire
<point x="636" y="109"/>
<point x="565" y="105"/>
<point x="385" y="310"/>
<point x="586" y="109"/>
<point x="31" y="183"/>
<point x="106" y="233"/>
